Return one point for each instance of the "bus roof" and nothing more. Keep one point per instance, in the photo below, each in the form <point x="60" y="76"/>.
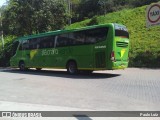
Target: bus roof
<point x="61" y="31"/>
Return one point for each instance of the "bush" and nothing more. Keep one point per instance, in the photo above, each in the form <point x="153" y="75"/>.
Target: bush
<point x="5" y="54"/>
<point x="93" y="21"/>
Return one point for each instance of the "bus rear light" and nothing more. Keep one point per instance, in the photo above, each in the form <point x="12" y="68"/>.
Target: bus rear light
<point x="112" y="56"/>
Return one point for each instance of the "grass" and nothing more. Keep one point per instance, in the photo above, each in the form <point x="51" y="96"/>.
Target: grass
<point x="144" y="42"/>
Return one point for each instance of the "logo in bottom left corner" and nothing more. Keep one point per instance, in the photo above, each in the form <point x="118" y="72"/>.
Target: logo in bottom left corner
<point x="6" y="114"/>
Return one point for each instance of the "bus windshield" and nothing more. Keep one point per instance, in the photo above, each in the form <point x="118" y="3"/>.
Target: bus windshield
<point x="14" y="48"/>
<point x="121" y="31"/>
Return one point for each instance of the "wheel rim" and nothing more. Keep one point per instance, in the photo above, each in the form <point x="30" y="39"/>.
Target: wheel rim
<point x="22" y="67"/>
<point x="72" y="68"/>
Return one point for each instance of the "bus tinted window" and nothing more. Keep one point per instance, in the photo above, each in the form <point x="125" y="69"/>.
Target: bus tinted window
<point x="122" y="33"/>
<point x="25" y="45"/>
<point x="46" y="42"/>
<point x="62" y="40"/>
<point x="33" y="44"/>
<point x="77" y="38"/>
<point x="90" y="36"/>
<point x="96" y="35"/>
<point x="37" y="43"/>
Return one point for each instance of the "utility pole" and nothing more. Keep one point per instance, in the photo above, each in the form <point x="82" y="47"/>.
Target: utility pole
<point x="69" y="11"/>
<point x="1" y="25"/>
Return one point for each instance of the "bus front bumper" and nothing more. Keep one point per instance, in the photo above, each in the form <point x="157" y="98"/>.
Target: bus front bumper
<point x="119" y="65"/>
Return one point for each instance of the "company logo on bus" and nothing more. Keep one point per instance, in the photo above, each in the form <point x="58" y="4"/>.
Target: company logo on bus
<point x="49" y="52"/>
<point x="122" y="52"/>
<point x="100" y="47"/>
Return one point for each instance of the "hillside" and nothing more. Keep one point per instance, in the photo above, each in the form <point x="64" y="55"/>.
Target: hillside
<point x="145" y="42"/>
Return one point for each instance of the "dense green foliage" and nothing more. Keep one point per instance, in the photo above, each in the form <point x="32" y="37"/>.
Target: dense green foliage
<point x="145" y="42"/>
<point x="6" y="52"/>
<point x="89" y="8"/>
<point x="24" y="17"/>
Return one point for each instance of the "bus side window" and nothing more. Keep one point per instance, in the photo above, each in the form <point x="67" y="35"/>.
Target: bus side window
<point x="25" y="45"/>
<point x="90" y="37"/>
<point x="32" y="43"/>
<point x="50" y="41"/>
<point x="96" y="35"/>
<point x="62" y="40"/>
<point x="41" y="42"/>
<point x="47" y="42"/>
<point x="77" y="38"/>
<point x="101" y="34"/>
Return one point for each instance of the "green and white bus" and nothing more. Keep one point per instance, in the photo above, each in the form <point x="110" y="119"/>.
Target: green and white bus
<point x="98" y="47"/>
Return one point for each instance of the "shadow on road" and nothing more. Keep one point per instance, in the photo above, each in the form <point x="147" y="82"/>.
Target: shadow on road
<point x="63" y="74"/>
<point x="83" y="118"/>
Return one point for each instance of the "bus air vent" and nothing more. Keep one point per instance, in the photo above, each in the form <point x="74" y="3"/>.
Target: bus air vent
<point x="100" y="60"/>
<point x="122" y="44"/>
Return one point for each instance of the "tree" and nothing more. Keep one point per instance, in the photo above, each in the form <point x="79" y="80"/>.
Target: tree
<point x="88" y="9"/>
<point x="73" y="6"/>
<point x="23" y="17"/>
<point x="138" y="3"/>
<point x="106" y="5"/>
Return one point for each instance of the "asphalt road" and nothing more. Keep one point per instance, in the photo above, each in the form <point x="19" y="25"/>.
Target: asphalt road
<point x="132" y="89"/>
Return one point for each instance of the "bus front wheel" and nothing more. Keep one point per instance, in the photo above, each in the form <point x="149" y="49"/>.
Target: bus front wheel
<point x="72" y="67"/>
<point x="21" y="66"/>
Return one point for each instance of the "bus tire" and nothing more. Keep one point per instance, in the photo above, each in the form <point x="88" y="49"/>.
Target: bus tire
<point x="72" y="67"/>
<point x="22" y="65"/>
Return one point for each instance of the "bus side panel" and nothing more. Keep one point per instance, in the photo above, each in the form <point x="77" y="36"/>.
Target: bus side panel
<point x="61" y="57"/>
<point x="14" y="61"/>
<point x="100" y="54"/>
<point x="17" y="57"/>
<point x="83" y="54"/>
<point x="110" y="47"/>
<point x="35" y="58"/>
<point x="43" y="58"/>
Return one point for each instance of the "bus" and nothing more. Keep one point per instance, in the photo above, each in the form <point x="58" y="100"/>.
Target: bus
<point x="91" y="48"/>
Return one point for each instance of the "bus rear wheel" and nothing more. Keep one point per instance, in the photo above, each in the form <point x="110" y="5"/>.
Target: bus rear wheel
<point x="72" y="68"/>
<point x="21" y="66"/>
